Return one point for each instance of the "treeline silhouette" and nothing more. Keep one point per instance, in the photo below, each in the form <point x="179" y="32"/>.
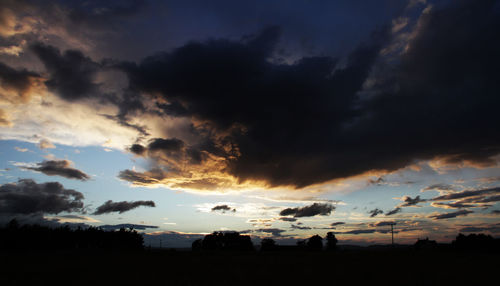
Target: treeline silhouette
<point x="476" y="242"/>
<point x="234" y="241"/>
<point x="36" y="237"/>
<point x="473" y="241"/>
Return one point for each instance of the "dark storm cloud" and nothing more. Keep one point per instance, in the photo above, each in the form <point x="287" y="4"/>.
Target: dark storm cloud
<point x="28" y="197"/>
<point x="172" y="145"/>
<point x="77" y="15"/>
<point x="72" y="76"/>
<point x="101" y="14"/>
<point x="71" y="73"/>
<point x="289" y="219"/>
<point x="236" y="89"/>
<point x="223" y="208"/>
<point x="120" y="207"/>
<point x="18" y="81"/>
<point x="126" y="225"/>
<point x="16" y="85"/>
<point x="441" y="93"/>
<point x="375" y="212"/>
<point x="121" y="119"/>
<point x="394" y="211"/>
<point x="451" y="215"/>
<point x="59" y="168"/>
<point x="137" y="149"/>
<point x="308" y="211"/>
<point x="497" y="212"/>
<point x="314" y="119"/>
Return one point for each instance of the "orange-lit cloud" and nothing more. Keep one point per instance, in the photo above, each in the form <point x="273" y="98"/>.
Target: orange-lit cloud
<point x="4" y="118"/>
<point x="11" y="24"/>
<point x="443" y="164"/>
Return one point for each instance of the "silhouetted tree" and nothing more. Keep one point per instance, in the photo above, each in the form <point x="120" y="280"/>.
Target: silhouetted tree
<point x="235" y="241"/>
<point x="212" y="241"/>
<point x="226" y="241"/>
<point x="301" y="244"/>
<point x="197" y="245"/>
<point x="425" y="244"/>
<point x="331" y="241"/>
<point x="315" y="242"/>
<point x="13" y="224"/>
<point x="267" y="244"/>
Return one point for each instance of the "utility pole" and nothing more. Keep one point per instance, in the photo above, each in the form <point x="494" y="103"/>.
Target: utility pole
<point x="392" y="233"/>
<point x="160" y="243"/>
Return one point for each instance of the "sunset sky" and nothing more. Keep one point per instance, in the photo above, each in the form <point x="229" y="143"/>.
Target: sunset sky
<point x="278" y="119"/>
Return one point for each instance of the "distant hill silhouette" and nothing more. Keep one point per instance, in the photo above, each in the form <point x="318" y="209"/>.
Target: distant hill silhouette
<point x="35" y="237"/>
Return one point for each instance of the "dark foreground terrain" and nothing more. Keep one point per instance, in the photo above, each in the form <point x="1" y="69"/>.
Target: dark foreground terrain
<point x="168" y="267"/>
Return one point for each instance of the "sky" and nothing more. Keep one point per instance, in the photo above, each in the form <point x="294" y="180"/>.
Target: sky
<point x="276" y="119"/>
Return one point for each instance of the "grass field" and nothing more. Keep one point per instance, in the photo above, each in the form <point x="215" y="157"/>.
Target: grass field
<point x="361" y="267"/>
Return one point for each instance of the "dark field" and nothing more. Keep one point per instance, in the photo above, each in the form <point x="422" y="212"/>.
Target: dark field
<point x="348" y="267"/>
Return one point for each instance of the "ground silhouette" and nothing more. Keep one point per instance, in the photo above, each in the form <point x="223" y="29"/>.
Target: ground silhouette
<point x="61" y="256"/>
<point x="268" y="244"/>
